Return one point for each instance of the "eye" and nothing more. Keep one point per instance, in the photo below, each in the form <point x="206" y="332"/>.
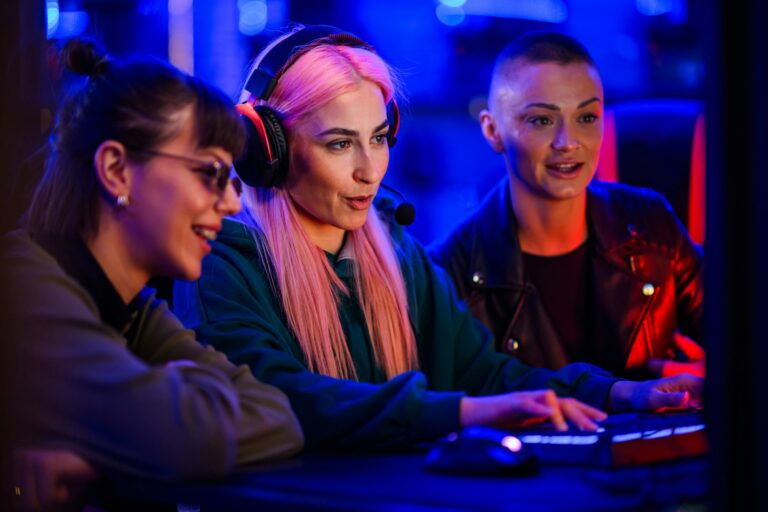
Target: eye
<point x="540" y="121"/>
<point x="212" y="174"/>
<point x="340" y="144"/>
<point x="209" y="171"/>
<point x="380" y="139"/>
<point x="588" y="118"/>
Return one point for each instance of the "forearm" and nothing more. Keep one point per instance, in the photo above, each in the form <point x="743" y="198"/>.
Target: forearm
<point x="585" y="382"/>
<point x="268" y="428"/>
<point x="161" y="422"/>
<point x="345" y="414"/>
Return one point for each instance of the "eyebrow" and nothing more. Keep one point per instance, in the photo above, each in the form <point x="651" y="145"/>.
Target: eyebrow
<point x="350" y="133"/>
<point x="550" y="106"/>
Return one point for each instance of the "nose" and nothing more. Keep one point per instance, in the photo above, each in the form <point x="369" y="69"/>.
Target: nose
<point x="369" y="167"/>
<point x="565" y="138"/>
<point x="228" y="202"/>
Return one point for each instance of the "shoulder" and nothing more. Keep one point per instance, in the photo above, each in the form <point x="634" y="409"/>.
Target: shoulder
<point x="155" y="325"/>
<point x="235" y="282"/>
<point x="238" y="246"/>
<point x="41" y="302"/>
<point x="493" y="209"/>
<point x="238" y="237"/>
<point x="617" y="211"/>
<point x="18" y="246"/>
<point x="238" y="264"/>
<point x="151" y="306"/>
<point x="486" y="221"/>
<point x="629" y="199"/>
<point x="29" y="271"/>
<point x="412" y="258"/>
<point x="410" y="249"/>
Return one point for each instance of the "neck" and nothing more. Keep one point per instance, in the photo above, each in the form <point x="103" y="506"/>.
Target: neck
<point x="111" y="250"/>
<point x="329" y="240"/>
<point x="549" y="227"/>
<point x="326" y="236"/>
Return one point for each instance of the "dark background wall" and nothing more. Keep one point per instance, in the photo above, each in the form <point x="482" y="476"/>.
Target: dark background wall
<point x="644" y="48"/>
<point x="736" y="274"/>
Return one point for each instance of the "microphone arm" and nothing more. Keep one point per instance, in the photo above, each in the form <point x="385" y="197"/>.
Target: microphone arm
<point x="405" y="212"/>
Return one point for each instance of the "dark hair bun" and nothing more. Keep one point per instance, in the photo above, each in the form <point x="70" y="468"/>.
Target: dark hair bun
<point x="83" y="57"/>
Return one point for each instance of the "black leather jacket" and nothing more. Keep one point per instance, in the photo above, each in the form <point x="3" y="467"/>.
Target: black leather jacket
<point x="647" y="278"/>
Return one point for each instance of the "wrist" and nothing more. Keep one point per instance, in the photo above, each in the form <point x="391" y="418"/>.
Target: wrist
<point x="467" y="411"/>
<point x="620" y="396"/>
<point x="477" y="411"/>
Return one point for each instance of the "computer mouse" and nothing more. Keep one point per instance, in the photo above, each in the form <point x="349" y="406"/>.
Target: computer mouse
<point x="480" y="451"/>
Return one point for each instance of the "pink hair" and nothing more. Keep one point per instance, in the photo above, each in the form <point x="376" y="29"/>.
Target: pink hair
<point x="307" y="284"/>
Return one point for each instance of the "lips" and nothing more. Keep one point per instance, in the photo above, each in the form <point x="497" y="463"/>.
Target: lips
<point x="565" y="169"/>
<point x="359" y="202"/>
<point x="206" y="233"/>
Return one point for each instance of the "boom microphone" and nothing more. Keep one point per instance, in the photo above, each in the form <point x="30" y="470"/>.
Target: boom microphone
<point x="405" y="212"/>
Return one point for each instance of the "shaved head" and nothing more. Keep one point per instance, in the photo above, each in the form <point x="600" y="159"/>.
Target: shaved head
<point x="534" y="48"/>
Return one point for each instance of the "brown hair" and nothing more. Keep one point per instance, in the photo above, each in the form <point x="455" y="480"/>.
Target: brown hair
<point x="132" y="101"/>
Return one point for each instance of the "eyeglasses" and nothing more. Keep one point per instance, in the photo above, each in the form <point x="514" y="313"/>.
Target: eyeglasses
<point x="216" y="173"/>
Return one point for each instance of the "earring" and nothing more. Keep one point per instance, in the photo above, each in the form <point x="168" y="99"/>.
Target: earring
<point x="122" y="201"/>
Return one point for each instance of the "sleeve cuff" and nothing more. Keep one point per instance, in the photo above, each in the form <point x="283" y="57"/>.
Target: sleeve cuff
<point x="439" y="415"/>
<point x="595" y="391"/>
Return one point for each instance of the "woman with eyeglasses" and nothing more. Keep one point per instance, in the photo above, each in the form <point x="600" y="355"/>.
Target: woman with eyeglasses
<point x="322" y="295"/>
<point x="136" y="185"/>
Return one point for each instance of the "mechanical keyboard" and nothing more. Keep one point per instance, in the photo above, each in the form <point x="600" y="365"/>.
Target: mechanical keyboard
<point x="628" y="439"/>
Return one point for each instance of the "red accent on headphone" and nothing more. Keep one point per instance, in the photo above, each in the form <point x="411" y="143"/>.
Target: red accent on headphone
<point x="247" y="110"/>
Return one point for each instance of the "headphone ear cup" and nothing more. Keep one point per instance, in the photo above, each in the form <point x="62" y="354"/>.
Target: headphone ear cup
<point x="264" y="163"/>
<point x="393" y="116"/>
<point x="278" y="141"/>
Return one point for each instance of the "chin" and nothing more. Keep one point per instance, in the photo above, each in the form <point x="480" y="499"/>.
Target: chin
<point x="564" y="191"/>
<point x="188" y="272"/>
<point x="352" y="224"/>
<point x="569" y="193"/>
<point x="192" y="275"/>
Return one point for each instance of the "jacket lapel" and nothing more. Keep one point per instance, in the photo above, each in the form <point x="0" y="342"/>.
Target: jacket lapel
<point x="619" y="312"/>
<point x="497" y="263"/>
<point x="622" y="299"/>
<point x="495" y="249"/>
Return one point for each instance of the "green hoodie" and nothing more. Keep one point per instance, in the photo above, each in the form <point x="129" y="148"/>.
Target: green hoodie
<point x="233" y="308"/>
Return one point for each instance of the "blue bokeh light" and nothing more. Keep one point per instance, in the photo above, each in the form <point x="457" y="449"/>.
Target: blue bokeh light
<point x="552" y="11"/>
<point x="176" y="7"/>
<point x="453" y="3"/>
<point x="73" y="23"/>
<point x="654" y="7"/>
<point x="52" y="17"/>
<point x="450" y="16"/>
<point x="675" y="10"/>
<point x="253" y="17"/>
<point x="68" y="23"/>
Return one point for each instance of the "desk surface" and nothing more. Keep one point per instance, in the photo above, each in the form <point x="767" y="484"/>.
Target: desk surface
<point x="398" y="482"/>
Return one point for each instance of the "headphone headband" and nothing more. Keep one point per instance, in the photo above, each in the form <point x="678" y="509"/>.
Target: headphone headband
<point x="279" y="58"/>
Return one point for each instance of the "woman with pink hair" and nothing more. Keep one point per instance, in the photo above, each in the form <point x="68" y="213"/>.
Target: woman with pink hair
<point x="323" y="296"/>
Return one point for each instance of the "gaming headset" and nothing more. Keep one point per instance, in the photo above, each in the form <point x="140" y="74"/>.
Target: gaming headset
<point x="264" y="162"/>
